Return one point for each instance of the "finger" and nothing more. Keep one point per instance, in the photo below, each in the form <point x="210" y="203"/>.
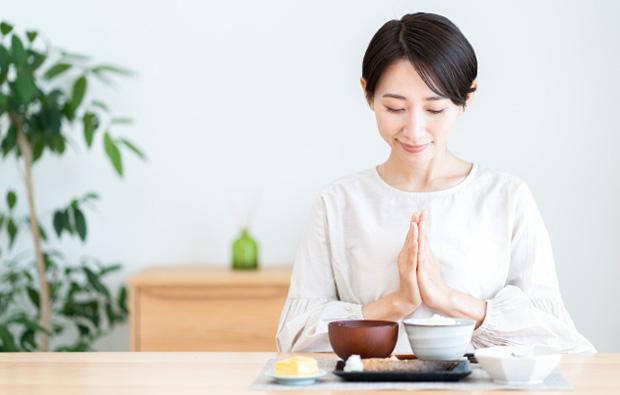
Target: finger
<point x="422" y="235"/>
<point x="411" y="244"/>
<point x="414" y="256"/>
<point x="415" y="218"/>
<point x="423" y="215"/>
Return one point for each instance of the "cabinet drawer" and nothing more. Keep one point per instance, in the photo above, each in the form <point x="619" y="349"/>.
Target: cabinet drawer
<point x="219" y="316"/>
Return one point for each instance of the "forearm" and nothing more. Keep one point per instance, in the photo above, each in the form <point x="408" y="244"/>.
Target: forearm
<point x="391" y="307"/>
<point x="460" y="305"/>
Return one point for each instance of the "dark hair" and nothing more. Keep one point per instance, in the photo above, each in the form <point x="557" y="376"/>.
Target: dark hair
<point x="436" y="48"/>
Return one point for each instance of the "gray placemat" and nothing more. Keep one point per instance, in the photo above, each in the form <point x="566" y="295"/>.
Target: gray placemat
<point x="476" y="381"/>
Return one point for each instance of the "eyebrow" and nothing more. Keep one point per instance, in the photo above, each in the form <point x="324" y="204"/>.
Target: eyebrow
<point x="430" y="98"/>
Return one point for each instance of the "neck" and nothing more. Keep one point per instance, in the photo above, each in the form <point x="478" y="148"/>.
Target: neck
<point x="441" y="172"/>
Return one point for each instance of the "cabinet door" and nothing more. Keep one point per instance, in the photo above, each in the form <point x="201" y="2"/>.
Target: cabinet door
<point x="214" y="318"/>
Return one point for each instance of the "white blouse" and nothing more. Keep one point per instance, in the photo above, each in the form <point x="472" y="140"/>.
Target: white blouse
<point x="486" y="232"/>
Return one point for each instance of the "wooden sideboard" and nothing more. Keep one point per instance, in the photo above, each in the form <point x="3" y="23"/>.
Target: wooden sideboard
<point x="206" y="308"/>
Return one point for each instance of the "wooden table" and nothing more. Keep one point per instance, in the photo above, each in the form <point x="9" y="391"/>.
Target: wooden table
<point x="205" y="373"/>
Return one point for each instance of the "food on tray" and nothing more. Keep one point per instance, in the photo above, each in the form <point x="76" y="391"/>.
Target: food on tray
<point x="393" y="364"/>
<point x="297" y="366"/>
<point x="440" y="320"/>
<point x="354" y="364"/>
<point x="410" y="365"/>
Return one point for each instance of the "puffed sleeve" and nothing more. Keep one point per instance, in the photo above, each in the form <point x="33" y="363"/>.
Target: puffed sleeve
<point x="313" y="296"/>
<point x="529" y="309"/>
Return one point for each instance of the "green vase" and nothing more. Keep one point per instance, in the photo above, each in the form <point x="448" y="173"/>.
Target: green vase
<point x="245" y="252"/>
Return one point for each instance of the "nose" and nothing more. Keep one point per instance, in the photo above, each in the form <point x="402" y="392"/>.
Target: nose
<point x="415" y="127"/>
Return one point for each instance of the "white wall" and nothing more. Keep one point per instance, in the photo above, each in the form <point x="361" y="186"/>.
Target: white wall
<point x="266" y="95"/>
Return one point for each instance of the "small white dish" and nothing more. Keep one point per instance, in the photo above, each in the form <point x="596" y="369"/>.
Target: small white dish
<point x="296" y="380"/>
<point x="518" y="365"/>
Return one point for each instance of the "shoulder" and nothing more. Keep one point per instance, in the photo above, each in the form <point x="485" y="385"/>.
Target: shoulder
<point x="350" y="184"/>
<point x="493" y="180"/>
<point x="504" y="190"/>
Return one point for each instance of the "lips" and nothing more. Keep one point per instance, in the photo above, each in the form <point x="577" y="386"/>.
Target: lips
<point x="414" y="149"/>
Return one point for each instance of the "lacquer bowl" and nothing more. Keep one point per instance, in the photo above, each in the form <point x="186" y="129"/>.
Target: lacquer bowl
<point x="367" y="338"/>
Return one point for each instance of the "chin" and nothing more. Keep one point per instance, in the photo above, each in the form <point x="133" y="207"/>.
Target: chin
<point x="416" y="159"/>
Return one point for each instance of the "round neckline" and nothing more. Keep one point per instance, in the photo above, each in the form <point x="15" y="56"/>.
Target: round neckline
<point x="440" y="192"/>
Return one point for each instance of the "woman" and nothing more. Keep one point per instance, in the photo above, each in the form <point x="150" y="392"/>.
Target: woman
<point x="475" y="244"/>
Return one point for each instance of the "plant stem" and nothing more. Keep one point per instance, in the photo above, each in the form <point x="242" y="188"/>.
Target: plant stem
<point x="44" y="295"/>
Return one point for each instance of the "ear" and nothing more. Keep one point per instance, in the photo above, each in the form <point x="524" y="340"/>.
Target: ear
<point x="470" y="97"/>
<point x="370" y="102"/>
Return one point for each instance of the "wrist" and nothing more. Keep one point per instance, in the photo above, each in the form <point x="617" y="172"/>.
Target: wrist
<point x="403" y="304"/>
<point x="446" y="302"/>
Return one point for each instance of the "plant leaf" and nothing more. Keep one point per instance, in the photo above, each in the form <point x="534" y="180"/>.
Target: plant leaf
<point x="56" y="70"/>
<point x="8" y="343"/>
<point x="125" y="121"/>
<point x="109" y="269"/>
<point x="19" y="53"/>
<point x="110" y="313"/>
<point x="43" y="234"/>
<point x="11" y="199"/>
<point x="134" y="149"/>
<point x="12" y="229"/>
<point x="5" y="28"/>
<point x="59" y="144"/>
<point x="10" y="140"/>
<point x="27" y="339"/>
<point x="37" y="60"/>
<point x="25" y="86"/>
<point x="90" y="196"/>
<point x="75" y="56"/>
<point x="112" y="69"/>
<point x="32" y="35"/>
<point x="91" y="122"/>
<point x="67" y="110"/>
<point x="122" y="299"/>
<point x="33" y="325"/>
<point x="79" y="88"/>
<point x="93" y="279"/>
<point x="91" y="312"/>
<point x="5" y="58"/>
<point x="67" y="221"/>
<point x="33" y="294"/>
<point x="84" y="330"/>
<point x="80" y="223"/>
<point x="113" y="153"/>
<point x="100" y="105"/>
<point x="59" y="223"/>
<point x="1" y="221"/>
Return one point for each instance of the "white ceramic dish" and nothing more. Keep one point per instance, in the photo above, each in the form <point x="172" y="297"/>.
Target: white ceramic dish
<point x="518" y="365"/>
<point x="296" y="380"/>
<point x="439" y="342"/>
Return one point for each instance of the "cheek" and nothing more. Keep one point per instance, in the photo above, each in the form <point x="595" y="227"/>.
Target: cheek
<point x="388" y="123"/>
<point x="442" y="127"/>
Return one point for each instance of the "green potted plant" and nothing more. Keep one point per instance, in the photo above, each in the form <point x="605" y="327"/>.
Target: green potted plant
<point x="42" y="296"/>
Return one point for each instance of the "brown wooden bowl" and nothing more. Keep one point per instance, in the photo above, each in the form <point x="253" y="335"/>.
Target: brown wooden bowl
<point x="367" y="338"/>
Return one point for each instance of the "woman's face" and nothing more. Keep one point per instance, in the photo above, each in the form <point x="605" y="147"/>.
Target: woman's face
<point x="412" y="119"/>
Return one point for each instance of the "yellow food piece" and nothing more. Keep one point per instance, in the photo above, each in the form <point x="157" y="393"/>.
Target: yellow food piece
<point x="297" y="366"/>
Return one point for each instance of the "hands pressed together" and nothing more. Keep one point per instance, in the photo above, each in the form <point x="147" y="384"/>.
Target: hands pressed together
<point x="418" y="269"/>
<point x="420" y="282"/>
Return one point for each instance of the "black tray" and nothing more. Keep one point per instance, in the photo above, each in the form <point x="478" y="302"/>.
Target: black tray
<point x="458" y="372"/>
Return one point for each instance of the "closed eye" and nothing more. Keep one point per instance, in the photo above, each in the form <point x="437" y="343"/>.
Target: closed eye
<point x="436" y="111"/>
<point x="394" y="109"/>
